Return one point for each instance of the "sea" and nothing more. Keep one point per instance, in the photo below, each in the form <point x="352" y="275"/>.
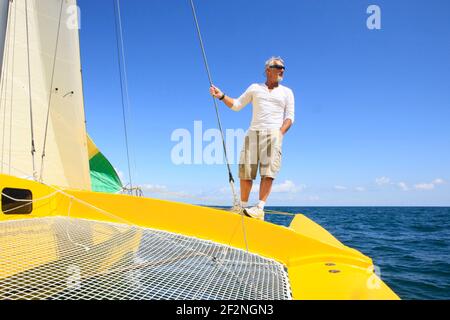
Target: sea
<point x="409" y="245"/>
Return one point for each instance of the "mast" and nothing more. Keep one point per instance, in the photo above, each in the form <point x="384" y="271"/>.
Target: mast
<point x="4" y="6"/>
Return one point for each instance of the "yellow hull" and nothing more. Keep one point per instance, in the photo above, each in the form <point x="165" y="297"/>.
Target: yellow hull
<point x="318" y="265"/>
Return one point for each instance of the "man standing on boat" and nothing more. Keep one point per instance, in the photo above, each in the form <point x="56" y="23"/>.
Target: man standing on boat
<point x="273" y="115"/>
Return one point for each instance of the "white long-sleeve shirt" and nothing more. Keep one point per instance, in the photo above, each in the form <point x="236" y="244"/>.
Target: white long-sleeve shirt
<point x="270" y="108"/>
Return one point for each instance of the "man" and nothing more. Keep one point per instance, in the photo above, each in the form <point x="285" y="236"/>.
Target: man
<point x="273" y="115"/>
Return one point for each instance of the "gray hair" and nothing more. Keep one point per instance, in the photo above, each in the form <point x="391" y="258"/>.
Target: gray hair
<point x="271" y="60"/>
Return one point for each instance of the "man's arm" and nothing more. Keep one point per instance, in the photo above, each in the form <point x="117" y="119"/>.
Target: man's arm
<point x="233" y="104"/>
<point x="217" y="93"/>
<point x="289" y="113"/>
<point x="285" y="127"/>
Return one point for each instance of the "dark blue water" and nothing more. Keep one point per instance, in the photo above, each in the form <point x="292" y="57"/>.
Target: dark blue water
<point x="410" y="245"/>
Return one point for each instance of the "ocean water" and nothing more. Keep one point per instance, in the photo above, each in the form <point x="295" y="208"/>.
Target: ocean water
<point x="410" y="245"/>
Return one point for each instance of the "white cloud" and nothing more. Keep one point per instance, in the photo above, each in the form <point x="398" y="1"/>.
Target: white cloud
<point x="154" y="188"/>
<point x="429" y="186"/>
<point x="340" y="188"/>
<point x="382" y="181"/>
<point x="287" y="187"/>
<point x="197" y="197"/>
<point x="403" y="186"/>
<point x="313" y="198"/>
<point x="284" y="187"/>
<point x="360" y="189"/>
<point x="438" y="181"/>
<point x="424" y="186"/>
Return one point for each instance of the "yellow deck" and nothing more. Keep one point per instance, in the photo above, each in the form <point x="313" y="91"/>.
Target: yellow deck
<point x="318" y="265"/>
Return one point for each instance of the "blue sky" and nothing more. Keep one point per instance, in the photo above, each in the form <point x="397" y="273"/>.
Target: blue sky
<point x="372" y="106"/>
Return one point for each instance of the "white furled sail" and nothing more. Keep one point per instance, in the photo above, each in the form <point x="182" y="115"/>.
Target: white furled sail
<point x="42" y="105"/>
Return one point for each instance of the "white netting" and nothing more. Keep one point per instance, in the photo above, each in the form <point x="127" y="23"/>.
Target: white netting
<point x="65" y="258"/>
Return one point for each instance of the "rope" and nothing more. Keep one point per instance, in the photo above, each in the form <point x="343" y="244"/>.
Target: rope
<point x="50" y="93"/>
<point x="16" y="207"/>
<point x="30" y="201"/>
<point x="136" y="191"/>
<point x="123" y="77"/>
<point x="26" y="202"/>
<point x="236" y="202"/>
<point x="205" y="60"/>
<point x="33" y="149"/>
<point x="86" y="248"/>
<point x="280" y="213"/>
<point x="12" y="88"/>
<point x="274" y="212"/>
<point x="5" y="79"/>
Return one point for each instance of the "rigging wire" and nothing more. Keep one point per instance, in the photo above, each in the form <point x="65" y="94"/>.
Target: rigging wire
<point x="123" y="78"/>
<point x="236" y="202"/>
<point x="12" y="86"/>
<point x="33" y="149"/>
<point x="50" y="92"/>
<point x="132" y="157"/>
<point x="5" y="70"/>
<point x="205" y="60"/>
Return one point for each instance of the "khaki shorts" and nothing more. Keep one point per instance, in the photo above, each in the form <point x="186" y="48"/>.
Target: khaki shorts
<point x="261" y="149"/>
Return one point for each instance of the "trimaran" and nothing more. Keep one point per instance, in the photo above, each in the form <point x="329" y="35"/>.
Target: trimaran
<point x="65" y="233"/>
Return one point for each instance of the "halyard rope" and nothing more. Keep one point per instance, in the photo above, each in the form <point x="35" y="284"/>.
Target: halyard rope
<point x="12" y="87"/>
<point x="50" y="92"/>
<point x="205" y="60"/>
<point x="123" y="78"/>
<point x="33" y="149"/>
<point x="236" y="202"/>
<point x="5" y="72"/>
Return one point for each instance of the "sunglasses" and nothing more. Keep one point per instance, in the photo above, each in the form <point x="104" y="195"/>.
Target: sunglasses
<point x="276" y="66"/>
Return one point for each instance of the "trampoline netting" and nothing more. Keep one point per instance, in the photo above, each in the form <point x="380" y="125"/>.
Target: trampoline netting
<point x="65" y="258"/>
